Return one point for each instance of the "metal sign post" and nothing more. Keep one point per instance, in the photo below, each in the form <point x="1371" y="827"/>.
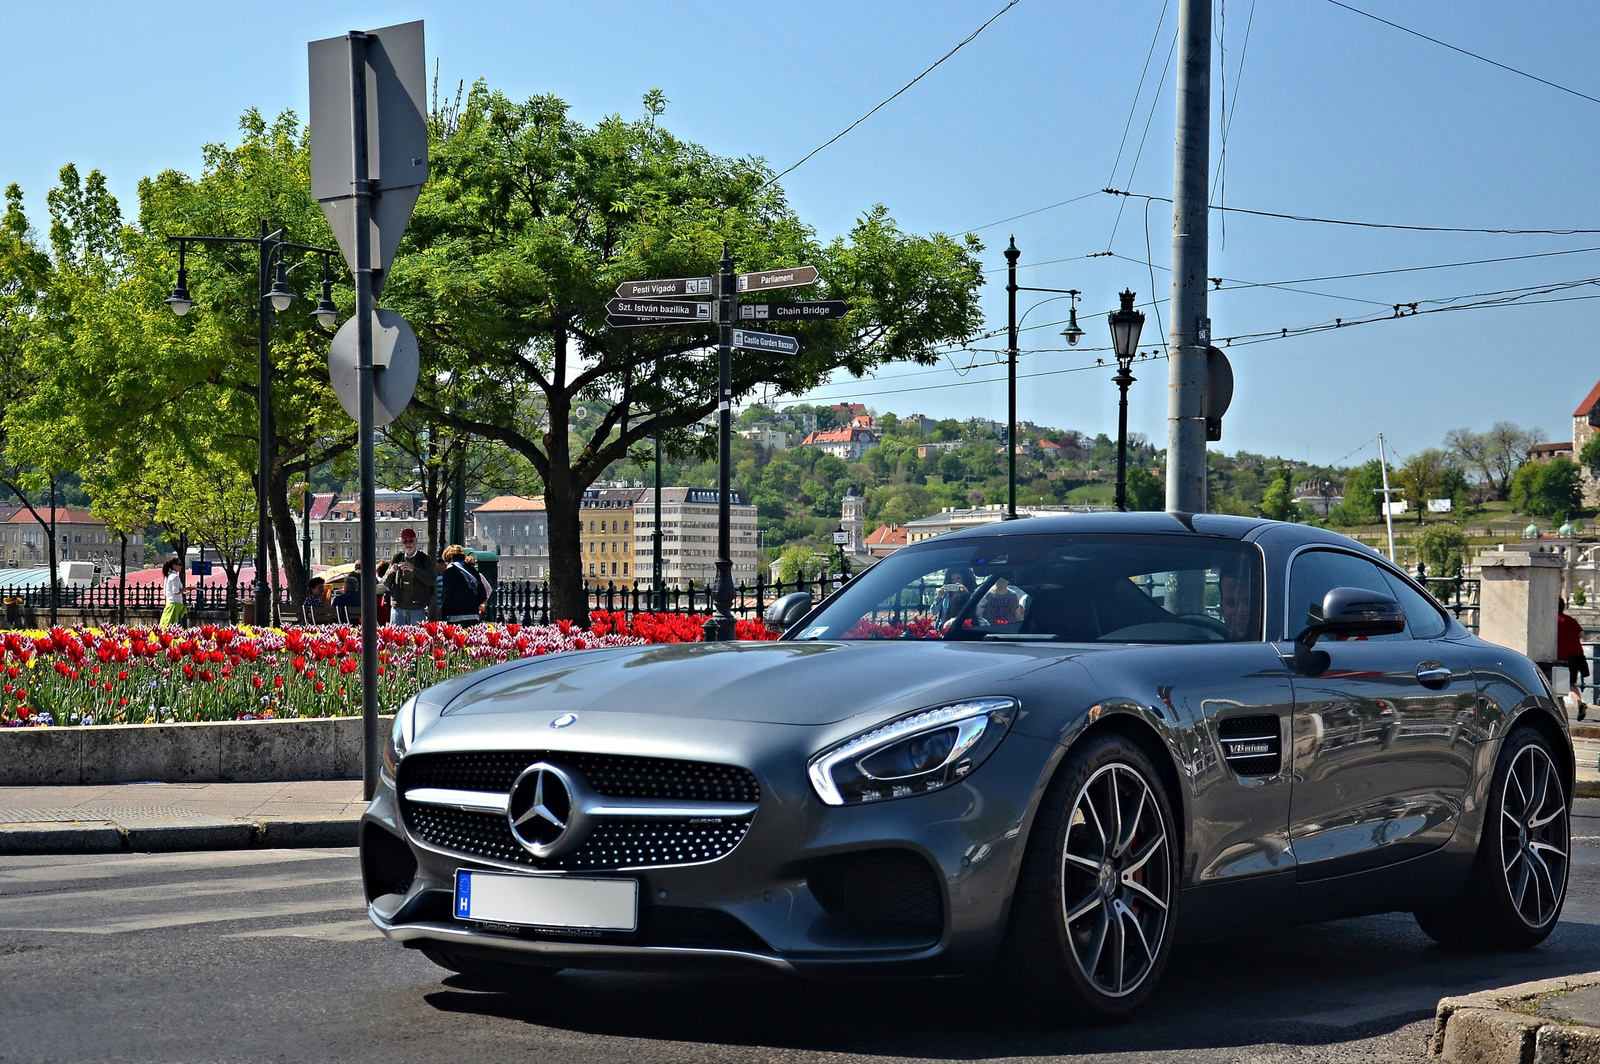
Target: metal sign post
<point x="369" y="131"/>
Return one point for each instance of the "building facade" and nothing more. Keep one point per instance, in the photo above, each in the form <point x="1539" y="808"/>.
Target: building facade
<point x="689" y="537"/>
<point x="518" y="530"/>
<point x="606" y="535"/>
<point x="81" y="537"/>
<point x="951" y="518"/>
<point x="336" y="533"/>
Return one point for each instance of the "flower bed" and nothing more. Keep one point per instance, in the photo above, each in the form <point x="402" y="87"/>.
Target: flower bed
<point x="76" y="676"/>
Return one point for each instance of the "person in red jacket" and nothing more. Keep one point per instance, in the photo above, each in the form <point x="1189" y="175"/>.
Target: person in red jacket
<point x="1569" y="652"/>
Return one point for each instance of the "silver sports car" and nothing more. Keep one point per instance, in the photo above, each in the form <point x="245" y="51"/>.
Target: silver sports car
<point x="1051" y="745"/>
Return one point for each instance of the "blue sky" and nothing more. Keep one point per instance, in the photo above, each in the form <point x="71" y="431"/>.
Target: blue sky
<point x="1333" y="115"/>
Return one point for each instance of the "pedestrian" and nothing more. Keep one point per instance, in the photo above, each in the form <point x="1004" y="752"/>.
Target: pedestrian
<point x="409" y="581"/>
<point x="172" y="581"/>
<point x="953" y="594"/>
<point x="349" y="596"/>
<point x="383" y="592"/>
<point x="464" y="592"/>
<point x="471" y="561"/>
<point x="1569" y="652"/>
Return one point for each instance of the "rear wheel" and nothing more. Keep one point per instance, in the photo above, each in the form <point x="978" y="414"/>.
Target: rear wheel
<point x="499" y="974"/>
<point x="1519" y="880"/>
<point x="1093" y="917"/>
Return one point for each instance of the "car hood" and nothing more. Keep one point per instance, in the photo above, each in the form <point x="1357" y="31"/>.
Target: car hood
<point x="798" y="683"/>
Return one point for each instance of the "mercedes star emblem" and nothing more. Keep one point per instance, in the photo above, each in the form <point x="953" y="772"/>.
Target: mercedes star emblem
<point x="542" y="810"/>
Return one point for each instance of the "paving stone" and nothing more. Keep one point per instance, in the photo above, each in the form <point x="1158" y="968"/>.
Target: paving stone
<point x="1488" y="1036"/>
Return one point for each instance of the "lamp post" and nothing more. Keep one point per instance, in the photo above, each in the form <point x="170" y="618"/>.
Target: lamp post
<point x="1125" y="326"/>
<point x="275" y="295"/>
<point x="1012" y="254"/>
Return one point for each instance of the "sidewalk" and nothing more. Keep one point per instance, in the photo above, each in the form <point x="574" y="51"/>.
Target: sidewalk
<point x="150" y="817"/>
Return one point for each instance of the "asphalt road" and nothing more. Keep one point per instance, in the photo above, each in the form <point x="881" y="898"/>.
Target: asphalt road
<point x="266" y="955"/>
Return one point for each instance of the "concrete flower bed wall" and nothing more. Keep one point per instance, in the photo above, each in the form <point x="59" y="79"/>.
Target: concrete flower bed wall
<point x="325" y="748"/>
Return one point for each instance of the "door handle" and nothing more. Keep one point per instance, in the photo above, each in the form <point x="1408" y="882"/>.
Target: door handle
<point x="1432" y="674"/>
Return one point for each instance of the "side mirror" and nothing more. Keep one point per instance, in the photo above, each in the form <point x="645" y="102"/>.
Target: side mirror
<point x="1349" y="611"/>
<point x="787" y="611"/>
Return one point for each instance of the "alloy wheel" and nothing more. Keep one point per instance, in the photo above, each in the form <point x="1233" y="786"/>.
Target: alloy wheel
<point x="1533" y="836"/>
<point x="1116" y="879"/>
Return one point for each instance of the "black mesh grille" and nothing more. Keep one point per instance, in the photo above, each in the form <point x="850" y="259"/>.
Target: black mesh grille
<point x="888" y="889"/>
<point x="1251" y="745"/>
<point x="616" y="842"/>
<point x="613" y="775"/>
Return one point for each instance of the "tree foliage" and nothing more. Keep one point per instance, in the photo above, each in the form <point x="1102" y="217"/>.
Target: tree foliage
<point x="1552" y="489"/>
<point x="1496" y="455"/>
<point x="531" y="219"/>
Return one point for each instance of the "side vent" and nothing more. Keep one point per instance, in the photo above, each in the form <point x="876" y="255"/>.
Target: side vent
<point x="1252" y="746"/>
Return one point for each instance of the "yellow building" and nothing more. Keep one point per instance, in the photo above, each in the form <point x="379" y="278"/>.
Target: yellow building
<point x="605" y="536"/>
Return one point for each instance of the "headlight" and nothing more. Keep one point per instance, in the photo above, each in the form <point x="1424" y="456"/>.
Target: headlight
<point x="400" y="736"/>
<point x="922" y="752"/>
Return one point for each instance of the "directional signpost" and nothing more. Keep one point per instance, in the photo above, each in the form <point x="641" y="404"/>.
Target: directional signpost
<point x="760" y="341"/>
<point x="811" y="310"/>
<point x="641" y="303"/>
<point x="630" y="313"/>
<point x="369" y="158"/>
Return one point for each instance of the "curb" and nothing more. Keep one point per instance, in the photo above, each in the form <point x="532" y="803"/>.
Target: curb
<point x="1586" y="789"/>
<point x="1479" y="1028"/>
<point x="168" y="836"/>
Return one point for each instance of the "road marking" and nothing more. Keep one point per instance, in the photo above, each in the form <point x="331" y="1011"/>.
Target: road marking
<point x="210" y="916"/>
<point x="51" y="869"/>
<point x="198" y="888"/>
<point x="348" y="931"/>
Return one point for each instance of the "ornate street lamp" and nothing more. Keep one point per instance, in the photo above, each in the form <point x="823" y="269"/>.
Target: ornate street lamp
<point x="1126" y="324"/>
<point x="275" y="295"/>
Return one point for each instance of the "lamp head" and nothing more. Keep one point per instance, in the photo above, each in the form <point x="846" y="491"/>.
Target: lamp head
<point x="1072" y="332"/>
<point x="280" y="293"/>
<point x="1126" y="324"/>
<point x="179" y="302"/>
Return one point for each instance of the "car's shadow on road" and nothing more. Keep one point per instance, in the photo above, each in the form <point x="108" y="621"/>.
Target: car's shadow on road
<point x="1313" y="985"/>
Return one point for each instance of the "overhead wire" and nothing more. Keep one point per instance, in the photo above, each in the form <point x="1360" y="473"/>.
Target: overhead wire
<point x="1463" y="51"/>
<point x="1025" y="214"/>
<point x="964" y="42"/>
<point x="1367" y="225"/>
<point x="1155" y="100"/>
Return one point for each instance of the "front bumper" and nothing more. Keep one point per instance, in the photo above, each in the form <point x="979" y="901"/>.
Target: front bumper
<point x="758" y="907"/>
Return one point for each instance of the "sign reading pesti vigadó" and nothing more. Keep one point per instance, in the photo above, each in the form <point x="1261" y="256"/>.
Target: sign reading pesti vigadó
<point x="665" y="289"/>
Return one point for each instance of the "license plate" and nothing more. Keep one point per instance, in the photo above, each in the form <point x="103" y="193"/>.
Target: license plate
<point x="548" y="901"/>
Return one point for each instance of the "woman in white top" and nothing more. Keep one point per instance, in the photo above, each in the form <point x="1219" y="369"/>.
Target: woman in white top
<point x="172" y="578"/>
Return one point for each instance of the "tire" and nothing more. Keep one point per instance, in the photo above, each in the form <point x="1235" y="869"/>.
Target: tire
<point x="498" y="974"/>
<point x="1094" y="914"/>
<point x="1518" y="884"/>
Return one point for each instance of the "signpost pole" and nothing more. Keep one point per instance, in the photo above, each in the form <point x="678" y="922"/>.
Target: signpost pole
<point x="721" y="623"/>
<point x="362" y="269"/>
<point x="263" y="427"/>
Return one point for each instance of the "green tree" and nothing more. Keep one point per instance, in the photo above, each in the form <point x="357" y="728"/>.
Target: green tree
<point x="1146" y="491"/>
<point x="799" y="561"/>
<point x="1278" y="504"/>
<point x="1552" y="489"/>
<point x="1361" y="487"/>
<point x="1426" y="475"/>
<point x="1443" y="548"/>
<point x="529" y="222"/>
<point x="1589" y="457"/>
<point x="1495" y="455"/>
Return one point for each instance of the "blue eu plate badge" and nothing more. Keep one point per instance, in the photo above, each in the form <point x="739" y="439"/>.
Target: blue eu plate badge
<point x="463" y="893"/>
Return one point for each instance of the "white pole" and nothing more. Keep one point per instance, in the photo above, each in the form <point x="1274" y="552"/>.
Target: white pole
<point x="1388" y="512"/>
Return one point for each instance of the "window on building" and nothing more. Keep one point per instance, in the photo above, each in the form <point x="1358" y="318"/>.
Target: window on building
<point x="624" y="568"/>
<point x="591" y="568"/>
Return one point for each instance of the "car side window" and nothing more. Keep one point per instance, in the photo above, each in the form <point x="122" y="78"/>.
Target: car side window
<point x="1423" y="619"/>
<point x="1317" y="572"/>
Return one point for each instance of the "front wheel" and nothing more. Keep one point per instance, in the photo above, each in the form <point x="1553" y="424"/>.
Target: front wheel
<point x="1092" y="922"/>
<point x="1519" y="880"/>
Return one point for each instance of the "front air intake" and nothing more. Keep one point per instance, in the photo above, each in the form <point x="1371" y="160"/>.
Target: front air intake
<point x="1252" y="746"/>
<point x="885" y="890"/>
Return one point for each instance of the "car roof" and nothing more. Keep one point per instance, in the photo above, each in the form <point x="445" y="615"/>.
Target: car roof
<point x="1226" y="526"/>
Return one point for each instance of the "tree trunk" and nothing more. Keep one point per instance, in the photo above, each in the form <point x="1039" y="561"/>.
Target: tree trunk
<point x="232" y="572"/>
<point x="122" y="581"/>
<point x="55" y="565"/>
<point x="568" y="599"/>
<point x="288" y="547"/>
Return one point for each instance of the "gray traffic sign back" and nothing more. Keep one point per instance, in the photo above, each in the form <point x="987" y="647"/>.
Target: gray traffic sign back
<point x="397" y="137"/>
<point x="396" y="361"/>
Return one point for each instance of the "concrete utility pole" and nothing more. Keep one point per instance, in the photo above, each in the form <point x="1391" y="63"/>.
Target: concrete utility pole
<point x="1190" y="326"/>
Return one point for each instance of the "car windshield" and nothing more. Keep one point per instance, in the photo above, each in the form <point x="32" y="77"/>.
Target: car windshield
<point x="1060" y="588"/>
